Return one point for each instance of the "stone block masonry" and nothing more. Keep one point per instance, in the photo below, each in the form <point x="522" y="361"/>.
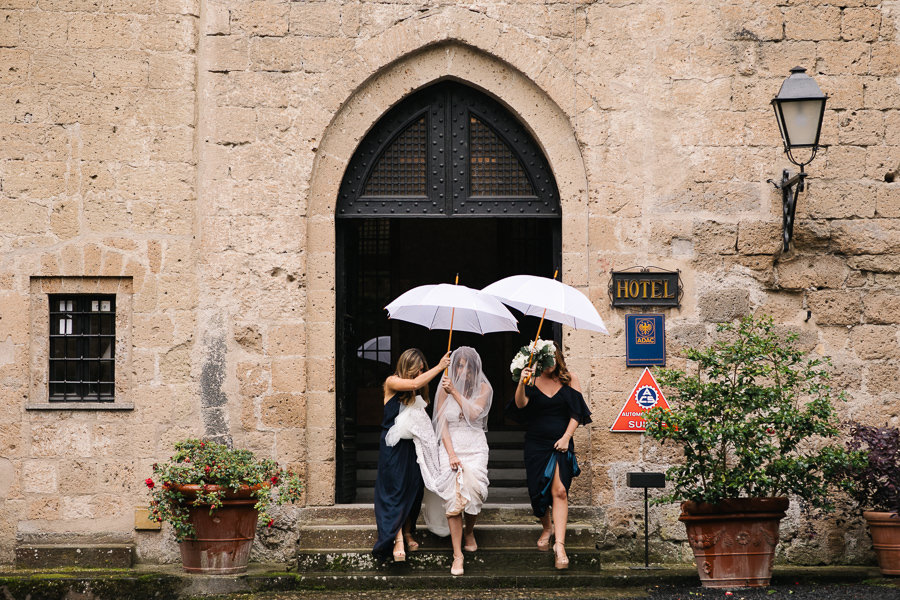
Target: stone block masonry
<point x="191" y="151"/>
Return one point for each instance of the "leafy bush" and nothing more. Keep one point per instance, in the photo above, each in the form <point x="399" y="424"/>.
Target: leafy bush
<point x="877" y="479"/>
<point x="217" y="469"/>
<point x="753" y="420"/>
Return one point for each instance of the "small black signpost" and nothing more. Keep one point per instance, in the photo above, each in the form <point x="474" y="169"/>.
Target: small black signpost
<point x="645" y="480"/>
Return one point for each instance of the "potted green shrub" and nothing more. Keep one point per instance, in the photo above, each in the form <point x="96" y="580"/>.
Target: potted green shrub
<point x="754" y="418"/>
<point x="214" y="496"/>
<point x="876" y="489"/>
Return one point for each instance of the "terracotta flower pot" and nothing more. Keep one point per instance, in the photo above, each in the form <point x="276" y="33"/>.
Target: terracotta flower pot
<point x="734" y="540"/>
<point x="885" y="530"/>
<point x="221" y="542"/>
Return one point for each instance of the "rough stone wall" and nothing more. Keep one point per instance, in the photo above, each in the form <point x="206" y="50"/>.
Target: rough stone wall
<point x="197" y="148"/>
<point x="97" y="181"/>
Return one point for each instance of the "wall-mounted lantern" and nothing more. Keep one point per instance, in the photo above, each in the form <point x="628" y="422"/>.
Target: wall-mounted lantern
<point x="799" y="109"/>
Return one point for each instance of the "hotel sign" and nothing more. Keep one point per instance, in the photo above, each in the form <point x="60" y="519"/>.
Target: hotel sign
<point x="645" y="288"/>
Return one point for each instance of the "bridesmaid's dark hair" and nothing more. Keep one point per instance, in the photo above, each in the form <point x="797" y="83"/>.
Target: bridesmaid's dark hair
<point x="560" y="371"/>
<point x="408" y="366"/>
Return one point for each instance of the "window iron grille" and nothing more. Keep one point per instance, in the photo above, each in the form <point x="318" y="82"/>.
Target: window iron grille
<point x="400" y="171"/>
<point x="82" y="348"/>
<point x="448" y="151"/>
<point x="493" y="168"/>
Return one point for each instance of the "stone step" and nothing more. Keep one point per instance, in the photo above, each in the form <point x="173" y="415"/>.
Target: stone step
<point x="491" y="513"/>
<point x="171" y="582"/>
<point x="505" y="495"/>
<point x="361" y="538"/>
<point x="95" y="556"/>
<point x="497" y="455"/>
<point x="483" y="561"/>
<point x="494" y="436"/>
<point x="498" y="477"/>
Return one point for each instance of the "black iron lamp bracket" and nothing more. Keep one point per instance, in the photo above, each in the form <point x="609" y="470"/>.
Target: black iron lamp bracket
<point x="790" y="187"/>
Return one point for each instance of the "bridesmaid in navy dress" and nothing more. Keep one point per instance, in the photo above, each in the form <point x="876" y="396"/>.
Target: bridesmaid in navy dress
<point x="552" y="408"/>
<point x="398" y="485"/>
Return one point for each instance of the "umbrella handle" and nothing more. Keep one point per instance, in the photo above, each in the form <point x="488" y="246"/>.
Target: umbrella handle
<point x="452" y="315"/>
<point x="538" y="335"/>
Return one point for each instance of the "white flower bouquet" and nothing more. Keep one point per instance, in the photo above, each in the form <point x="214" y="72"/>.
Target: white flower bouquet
<point x="544" y="358"/>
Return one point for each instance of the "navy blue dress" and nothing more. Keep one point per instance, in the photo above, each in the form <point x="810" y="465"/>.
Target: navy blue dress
<point x="547" y="419"/>
<point x="398" y="485"/>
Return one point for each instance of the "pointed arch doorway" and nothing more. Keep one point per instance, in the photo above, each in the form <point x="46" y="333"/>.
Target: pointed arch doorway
<point x="447" y="182"/>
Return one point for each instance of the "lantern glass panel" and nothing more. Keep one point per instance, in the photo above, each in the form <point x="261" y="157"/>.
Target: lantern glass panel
<point x="802" y="120"/>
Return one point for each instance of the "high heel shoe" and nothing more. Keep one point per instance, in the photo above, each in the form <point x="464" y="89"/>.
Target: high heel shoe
<point x="399" y="555"/>
<point x="411" y="544"/>
<point x="471" y="547"/>
<point x="561" y="561"/>
<point x="457" y="567"/>
<point x="543" y="543"/>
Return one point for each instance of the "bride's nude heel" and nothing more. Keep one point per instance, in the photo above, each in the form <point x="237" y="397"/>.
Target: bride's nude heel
<point x="411" y="544"/>
<point x="457" y="567"/>
<point x="471" y="547"/>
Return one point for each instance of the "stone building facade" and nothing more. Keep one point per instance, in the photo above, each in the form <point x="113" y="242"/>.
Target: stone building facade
<point x="185" y="157"/>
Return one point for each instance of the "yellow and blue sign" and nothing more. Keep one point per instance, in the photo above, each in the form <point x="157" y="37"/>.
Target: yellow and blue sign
<point x="645" y="340"/>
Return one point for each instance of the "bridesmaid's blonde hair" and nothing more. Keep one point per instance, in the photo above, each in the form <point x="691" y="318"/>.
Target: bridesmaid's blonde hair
<point x="408" y="366"/>
<point x="560" y="371"/>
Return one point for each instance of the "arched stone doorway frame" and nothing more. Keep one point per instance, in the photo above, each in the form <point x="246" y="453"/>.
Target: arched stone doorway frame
<point x="445" y="59"/>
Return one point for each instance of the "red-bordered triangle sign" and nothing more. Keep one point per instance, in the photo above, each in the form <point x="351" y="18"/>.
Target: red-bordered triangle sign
<point x="645" y="395"/>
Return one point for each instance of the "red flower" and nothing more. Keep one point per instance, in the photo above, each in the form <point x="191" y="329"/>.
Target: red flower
<point x="664" y="425"/>
<point x="149" y="483"/>
<point x="206" y="468"/>
<point x="274" y="480"/>
<point x="202" y="444"/>
<point x="271" y="522"/>
<point x="770" y="431"/>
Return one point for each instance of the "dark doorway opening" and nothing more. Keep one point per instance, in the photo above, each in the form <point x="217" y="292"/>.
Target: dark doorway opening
<point x="383" y="258"/>
<point x="447" y="182"/>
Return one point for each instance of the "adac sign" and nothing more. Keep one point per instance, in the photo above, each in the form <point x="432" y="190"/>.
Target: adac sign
<point x="645" y="288"/>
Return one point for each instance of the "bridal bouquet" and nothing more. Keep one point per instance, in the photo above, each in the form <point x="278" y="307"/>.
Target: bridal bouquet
<point x="544" y="358"/>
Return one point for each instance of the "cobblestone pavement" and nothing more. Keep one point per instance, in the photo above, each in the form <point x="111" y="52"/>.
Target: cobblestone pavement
<point x="881" y="590"/>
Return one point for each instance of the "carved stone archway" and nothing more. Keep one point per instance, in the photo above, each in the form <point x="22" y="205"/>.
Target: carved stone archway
<point x="545" y="121"/>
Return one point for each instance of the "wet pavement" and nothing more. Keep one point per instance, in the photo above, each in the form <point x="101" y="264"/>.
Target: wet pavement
<point x="881" y="589"/>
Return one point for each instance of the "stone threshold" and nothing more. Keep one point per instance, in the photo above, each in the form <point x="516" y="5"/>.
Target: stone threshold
<point x="170" y="581"/>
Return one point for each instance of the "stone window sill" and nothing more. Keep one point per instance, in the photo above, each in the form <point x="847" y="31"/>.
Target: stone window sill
<point x="80" y="406"/>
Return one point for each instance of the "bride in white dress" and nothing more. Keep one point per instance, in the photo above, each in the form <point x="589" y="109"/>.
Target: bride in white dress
<point x="460" y="419"/>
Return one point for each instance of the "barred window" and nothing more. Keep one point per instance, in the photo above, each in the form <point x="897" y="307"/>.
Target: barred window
<point x="82" y="348"/>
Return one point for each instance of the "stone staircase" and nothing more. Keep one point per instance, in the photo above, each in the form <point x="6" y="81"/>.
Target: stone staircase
<point x="338" y="539"/>
<point x="506" y="470"/>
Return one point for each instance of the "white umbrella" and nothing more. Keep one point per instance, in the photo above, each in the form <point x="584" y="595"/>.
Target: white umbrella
<point x="377" y="349"/>
<point x="445" y="306"/>
<point x="548" y="298"/>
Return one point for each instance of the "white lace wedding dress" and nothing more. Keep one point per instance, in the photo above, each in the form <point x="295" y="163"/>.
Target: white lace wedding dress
<point x="470" y="445"/>
<point x="440" y="480"/>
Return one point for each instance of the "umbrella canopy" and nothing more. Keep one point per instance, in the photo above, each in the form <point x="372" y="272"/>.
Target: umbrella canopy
<point x="534" y="295"/>
<point x="456" y="307"/>
<point x="377" y="349"/>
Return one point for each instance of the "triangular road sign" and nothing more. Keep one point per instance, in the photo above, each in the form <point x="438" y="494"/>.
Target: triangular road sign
<point x="645" y="395"/>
